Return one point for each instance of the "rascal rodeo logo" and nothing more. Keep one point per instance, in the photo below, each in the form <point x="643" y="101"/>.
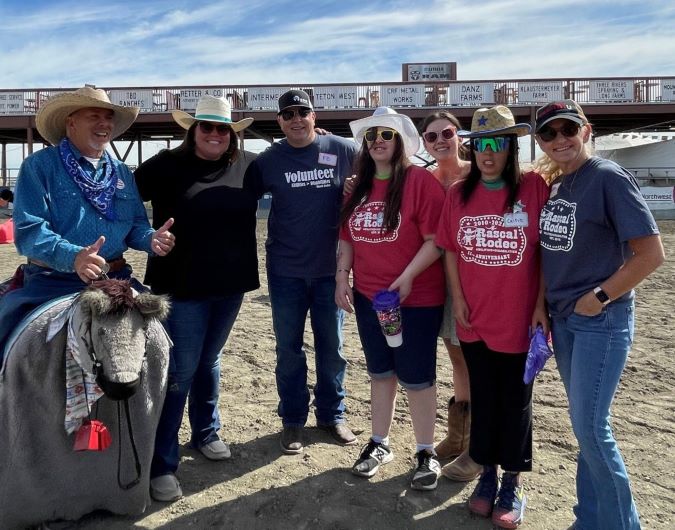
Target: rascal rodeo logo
<point x="486" y="241"/>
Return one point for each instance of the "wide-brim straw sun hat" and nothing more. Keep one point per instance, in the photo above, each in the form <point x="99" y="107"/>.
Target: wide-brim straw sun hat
<point x="495" y="121"/>
<point x="388" y="117"/>
<point x="51" y="118"/>
<point x="213" y="109"/>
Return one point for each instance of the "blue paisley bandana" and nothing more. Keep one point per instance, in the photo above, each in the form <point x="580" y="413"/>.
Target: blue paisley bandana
<point x="99" y="194"/>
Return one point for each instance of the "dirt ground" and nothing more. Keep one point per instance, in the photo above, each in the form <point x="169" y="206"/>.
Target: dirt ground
<point x="259" y="488"/>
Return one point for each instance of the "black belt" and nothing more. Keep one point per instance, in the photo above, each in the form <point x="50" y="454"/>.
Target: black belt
<point x="116" y="264"/>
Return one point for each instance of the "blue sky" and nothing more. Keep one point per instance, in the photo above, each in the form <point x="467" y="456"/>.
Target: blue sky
<point x="176" y="42"/>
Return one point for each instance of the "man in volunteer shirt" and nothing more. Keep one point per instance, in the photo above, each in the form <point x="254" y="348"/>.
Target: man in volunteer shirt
<point x="305" y="173"/>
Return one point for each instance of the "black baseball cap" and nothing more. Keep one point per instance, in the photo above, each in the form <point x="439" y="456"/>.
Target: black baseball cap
<point x="567" y="109"/>
<point x="6" y="194"/>
<point x="295" y="98"/>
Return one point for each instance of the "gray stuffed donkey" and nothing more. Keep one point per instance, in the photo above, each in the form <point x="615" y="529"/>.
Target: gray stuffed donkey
<point x="110" y="340"/>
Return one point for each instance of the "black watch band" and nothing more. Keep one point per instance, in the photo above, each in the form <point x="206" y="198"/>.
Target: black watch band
<point x="601" y="296"/>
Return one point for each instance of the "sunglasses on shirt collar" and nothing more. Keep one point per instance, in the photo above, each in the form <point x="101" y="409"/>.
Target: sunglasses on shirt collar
<point x="495" y="143"/>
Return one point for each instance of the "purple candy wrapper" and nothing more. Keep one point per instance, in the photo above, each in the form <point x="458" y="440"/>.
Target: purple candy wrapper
<point x="537" y="356"/>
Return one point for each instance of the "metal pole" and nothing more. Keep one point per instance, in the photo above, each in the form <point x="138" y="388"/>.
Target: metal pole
<point x="533" y="143"/>
<point x="29" y="137"/>
<point x="4" y="163"/>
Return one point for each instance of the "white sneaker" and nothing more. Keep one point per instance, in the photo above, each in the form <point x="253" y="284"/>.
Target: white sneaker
<point x="216" y="450"/>
<point x="165" y="488"/>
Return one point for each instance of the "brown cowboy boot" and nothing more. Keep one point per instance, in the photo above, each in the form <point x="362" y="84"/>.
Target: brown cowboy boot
<point x="459" y="427"/>
<point x="462" y="468"/>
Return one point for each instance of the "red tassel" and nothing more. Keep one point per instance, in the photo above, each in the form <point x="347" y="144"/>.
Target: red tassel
<point x="92" y="436"/>
<point x="104" y="439"/>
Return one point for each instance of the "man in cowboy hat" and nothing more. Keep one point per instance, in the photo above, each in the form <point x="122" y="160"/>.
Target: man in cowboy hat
<point x="305" y="173"/>
<point x="77" y="209"/>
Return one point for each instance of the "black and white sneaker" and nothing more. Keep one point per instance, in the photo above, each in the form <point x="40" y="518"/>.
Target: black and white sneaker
<point x="427" y="472"/>
<point x="373" y="455"/>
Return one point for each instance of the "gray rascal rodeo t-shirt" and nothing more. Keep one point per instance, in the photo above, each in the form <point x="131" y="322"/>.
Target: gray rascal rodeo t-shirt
<point x="585" y="227"/>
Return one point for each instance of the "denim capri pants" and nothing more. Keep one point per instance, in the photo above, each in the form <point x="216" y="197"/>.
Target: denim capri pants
<point x="414" y="362"/>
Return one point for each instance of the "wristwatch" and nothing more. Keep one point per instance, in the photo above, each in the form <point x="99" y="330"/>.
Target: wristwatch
<point x="601" y="295"/>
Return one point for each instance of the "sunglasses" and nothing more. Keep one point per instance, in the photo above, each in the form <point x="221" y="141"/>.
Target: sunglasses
<point x="207" y="128"/>
<point x="568" y="130"/>
<point x="288" y="115"/>
<point x="446" y="133"/>
<point x="387" y="135"/>
<point x="496" y="143"/>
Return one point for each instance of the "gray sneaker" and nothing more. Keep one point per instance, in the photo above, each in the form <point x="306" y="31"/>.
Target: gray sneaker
<point x="373" y="455"/>
<point x="165" y="488"/>
<point x="427" y="472"/>
<point x="216" y="450"/>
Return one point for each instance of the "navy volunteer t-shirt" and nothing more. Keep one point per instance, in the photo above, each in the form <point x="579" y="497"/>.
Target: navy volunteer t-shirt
<point x="584" y="230"/>
<point x="306" y="186"/>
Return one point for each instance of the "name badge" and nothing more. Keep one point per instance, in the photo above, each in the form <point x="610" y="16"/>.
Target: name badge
<point x="327" y="159"/>
<point x="512" y="220"/>
<point x="554" y="190"/>
<point x="120" y="184"/>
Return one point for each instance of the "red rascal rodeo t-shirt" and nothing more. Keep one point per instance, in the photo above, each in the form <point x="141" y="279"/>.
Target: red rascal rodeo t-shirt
<point x="497" y="259"/>
<point x="381" y="256"/>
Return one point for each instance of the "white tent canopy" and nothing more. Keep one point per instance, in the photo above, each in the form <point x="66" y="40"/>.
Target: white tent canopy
<point x="647" y="156"/>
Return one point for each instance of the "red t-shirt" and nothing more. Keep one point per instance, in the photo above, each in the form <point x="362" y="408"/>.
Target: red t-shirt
<point x="498" y="264"/>
<point x="381" y="256"/>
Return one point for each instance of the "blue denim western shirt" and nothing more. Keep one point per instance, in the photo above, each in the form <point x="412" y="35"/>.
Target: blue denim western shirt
<point x="53" y="220"/>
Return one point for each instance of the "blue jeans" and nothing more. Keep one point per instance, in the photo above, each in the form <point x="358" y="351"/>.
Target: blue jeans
<point x="199" y="330"/>
<point x="292" y="299"/>
<point x="591" y="353"/>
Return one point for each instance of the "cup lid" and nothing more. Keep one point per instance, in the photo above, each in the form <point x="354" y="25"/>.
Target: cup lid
<point x="384" y="300"/>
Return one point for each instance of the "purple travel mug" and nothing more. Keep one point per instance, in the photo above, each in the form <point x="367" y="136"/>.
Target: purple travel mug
<point x="387" y="305"/>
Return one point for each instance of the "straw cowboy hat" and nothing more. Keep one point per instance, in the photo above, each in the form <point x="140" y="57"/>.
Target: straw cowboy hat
<point x="51" y="118"/>
<point x="388" y="117"/>
<point x="213" y="109"/>
<point x="495" y="121"/>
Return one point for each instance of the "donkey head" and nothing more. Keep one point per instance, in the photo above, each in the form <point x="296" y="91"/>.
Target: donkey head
<point x="117" y="324"/>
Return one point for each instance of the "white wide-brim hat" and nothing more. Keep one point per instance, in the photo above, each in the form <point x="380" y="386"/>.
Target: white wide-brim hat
<point x="51" y="118"/>
<point x="388" y="117"/>
<point x="211" y="108"/>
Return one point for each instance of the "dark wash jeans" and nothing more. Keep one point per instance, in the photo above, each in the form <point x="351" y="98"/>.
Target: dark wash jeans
<point x="199" y="330"/>
<point x="292" y="299"/>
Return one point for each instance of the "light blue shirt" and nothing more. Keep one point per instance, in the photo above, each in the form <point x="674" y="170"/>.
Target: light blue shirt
<point x="53" y="220"/>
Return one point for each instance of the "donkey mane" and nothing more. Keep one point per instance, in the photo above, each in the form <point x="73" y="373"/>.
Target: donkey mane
<point x="119" y="293"/>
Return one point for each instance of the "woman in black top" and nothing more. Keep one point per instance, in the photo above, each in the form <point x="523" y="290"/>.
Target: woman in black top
<point x="202" y="185"/>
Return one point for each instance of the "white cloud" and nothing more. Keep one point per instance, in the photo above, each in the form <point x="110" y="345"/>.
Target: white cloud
<point x="176" y="42"/>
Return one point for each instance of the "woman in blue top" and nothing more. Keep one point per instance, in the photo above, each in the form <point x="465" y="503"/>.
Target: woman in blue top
<point x="598" y="241"/>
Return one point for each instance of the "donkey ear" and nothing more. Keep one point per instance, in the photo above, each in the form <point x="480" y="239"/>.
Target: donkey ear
<point x="153" y="305"/>
<point x="95" y="302"/>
